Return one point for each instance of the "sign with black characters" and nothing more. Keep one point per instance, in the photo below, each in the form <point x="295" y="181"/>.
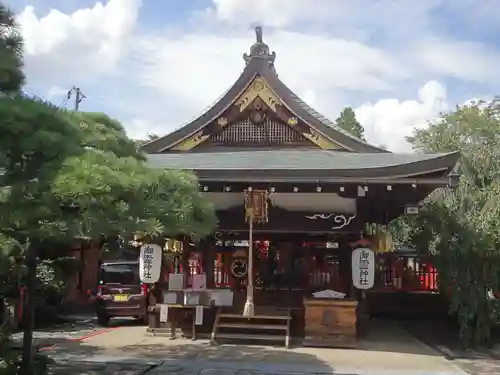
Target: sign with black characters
<point x="363" y="268"/>
<point x="150" y="263"/>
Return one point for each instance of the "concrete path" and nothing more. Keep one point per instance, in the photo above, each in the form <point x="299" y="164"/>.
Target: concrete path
<point x="126" y="348"/>
<point x="117" y="365"/>
<point x="132" y="346"/>
<point x="95" y="368"/>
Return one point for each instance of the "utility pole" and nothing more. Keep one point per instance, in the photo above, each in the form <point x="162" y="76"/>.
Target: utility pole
<point x="79" y="96"/>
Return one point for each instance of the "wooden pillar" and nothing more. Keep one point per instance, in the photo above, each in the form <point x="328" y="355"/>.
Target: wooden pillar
<point x="345" y="270"/>
<point x="208" y="254"/>
<point x="308" y="266"/>
<point x="285" y="264"/>
<point x="185" y="260"/>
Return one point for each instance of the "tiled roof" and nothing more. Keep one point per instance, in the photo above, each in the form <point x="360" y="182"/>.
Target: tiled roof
<point x="286" y="160"/>
<point x="300" y="108"/>
<point x="322" y="118"/>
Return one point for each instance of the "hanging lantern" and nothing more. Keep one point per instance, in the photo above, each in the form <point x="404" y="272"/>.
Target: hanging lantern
<point x="256" y="206"/>
<point x="173" y="246"/>
<point x="363" y="268"/>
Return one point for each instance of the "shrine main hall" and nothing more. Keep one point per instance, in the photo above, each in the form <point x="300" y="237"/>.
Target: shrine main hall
<point x="327" y="193"/>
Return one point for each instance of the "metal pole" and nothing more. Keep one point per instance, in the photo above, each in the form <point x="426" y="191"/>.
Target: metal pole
<point x="249" y="309"/>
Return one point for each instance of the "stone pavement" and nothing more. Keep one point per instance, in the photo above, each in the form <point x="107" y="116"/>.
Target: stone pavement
<point x="388" y="350"/>
<point x="132" y="346"/>
<point x="479" y="367"/>
<point x="94" y="368"/>
<point x="443" y="337"/>
<point x="116" y="365"/>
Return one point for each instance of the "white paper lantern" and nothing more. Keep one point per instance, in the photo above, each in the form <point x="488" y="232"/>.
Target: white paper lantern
<point x="150" y="263"/>
<point x="363" y="268"/>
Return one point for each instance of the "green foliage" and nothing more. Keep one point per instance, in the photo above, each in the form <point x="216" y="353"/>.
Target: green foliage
<point x="52" y="281"/>
<point x="68" y="175"/>
<point x="11" y="61"/>
<point x="101" y="132"/>
<point x="77" y="174"/>
<point x="347" y="121"/>
<point x="123" y="195"/>
<point x="10" y="266"/>
<point x="10" y="360"/>
<point x="463" y="227"/>
<point x="36" y="140"/>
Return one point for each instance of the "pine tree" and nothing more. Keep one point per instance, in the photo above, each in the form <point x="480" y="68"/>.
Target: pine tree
<point x="11" y="45"/>
<point x="347" y="121"/>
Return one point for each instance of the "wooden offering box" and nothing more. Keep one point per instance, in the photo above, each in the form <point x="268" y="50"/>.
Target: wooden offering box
<point x="330" y="322"/>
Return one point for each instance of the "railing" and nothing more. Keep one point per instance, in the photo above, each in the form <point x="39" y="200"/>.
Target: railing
<point x="394" y="272"/>
<point x="405" y="272"/>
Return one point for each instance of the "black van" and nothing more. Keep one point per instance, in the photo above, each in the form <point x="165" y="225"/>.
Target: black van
<point x="120" y="292"/>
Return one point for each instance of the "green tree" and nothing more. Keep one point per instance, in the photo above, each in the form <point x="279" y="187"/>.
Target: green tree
<point x="35" y="141"/>
<point x="77" y="175"/>
<point x="462" y="228"/>
<point x="101" y="132"/>
<point x="347" y="121"/>
<point x="11" y="62"/>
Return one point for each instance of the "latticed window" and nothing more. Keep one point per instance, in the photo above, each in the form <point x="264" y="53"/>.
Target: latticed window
<point x="269" y="132"/>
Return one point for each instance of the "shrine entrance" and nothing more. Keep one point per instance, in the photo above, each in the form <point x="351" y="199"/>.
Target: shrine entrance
<point x="283" y="266"/>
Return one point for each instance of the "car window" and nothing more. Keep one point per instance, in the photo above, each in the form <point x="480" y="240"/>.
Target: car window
<point x="120" y="273"/>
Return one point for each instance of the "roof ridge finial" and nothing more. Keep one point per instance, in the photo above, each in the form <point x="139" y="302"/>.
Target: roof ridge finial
<point x="260" y="50"/>
<point x="258" y="34"/>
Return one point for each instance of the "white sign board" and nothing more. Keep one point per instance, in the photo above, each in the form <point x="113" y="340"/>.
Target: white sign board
<point x="170" y="298"/>
<point x="163" y="313"/>
<point x="200" y="282"/>
<point x="363" y="268"/>
<point x="176" y="281"/>
<point x="198" y="318"/>
<point x="222" y="297"/>
<point x="328" y="293"/>
<point x="150" y="263"/>
<point x="191" y="299"/>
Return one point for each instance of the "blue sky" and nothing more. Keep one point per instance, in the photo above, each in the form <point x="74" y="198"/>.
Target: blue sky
<point x="155" y="65"/>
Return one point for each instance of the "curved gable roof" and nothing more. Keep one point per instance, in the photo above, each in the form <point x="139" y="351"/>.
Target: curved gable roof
<point x="260" y="62"/>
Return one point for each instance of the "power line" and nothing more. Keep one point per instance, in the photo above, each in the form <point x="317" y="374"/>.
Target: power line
<point x="78" y="95"/>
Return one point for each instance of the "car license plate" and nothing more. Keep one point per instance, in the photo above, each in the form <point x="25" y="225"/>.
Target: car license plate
<point x="121" y="298"/>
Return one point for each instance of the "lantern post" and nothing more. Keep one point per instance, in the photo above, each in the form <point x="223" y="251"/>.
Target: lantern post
<point x="255" y="212"/>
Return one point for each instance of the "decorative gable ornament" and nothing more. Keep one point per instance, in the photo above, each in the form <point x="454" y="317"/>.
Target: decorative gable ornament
<point x="258" y="114"/>
<point x="150" y="263"/>
<point x="363" y="268"/>
<point x="222" y="121"/>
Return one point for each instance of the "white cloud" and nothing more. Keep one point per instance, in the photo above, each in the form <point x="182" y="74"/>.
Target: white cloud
<point x="325" y="53"/>
<point x="86" y="42"/>
<point x="388" y="121"/>
<point x="471" y="61"/>
<point x="339" y="15"/>
<point x="138" y="128"/>
<point x="56" y="92"/>
<point x="277" y="13"/>
<point x="193" y="70"/>
<point x="199" y="67"/>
